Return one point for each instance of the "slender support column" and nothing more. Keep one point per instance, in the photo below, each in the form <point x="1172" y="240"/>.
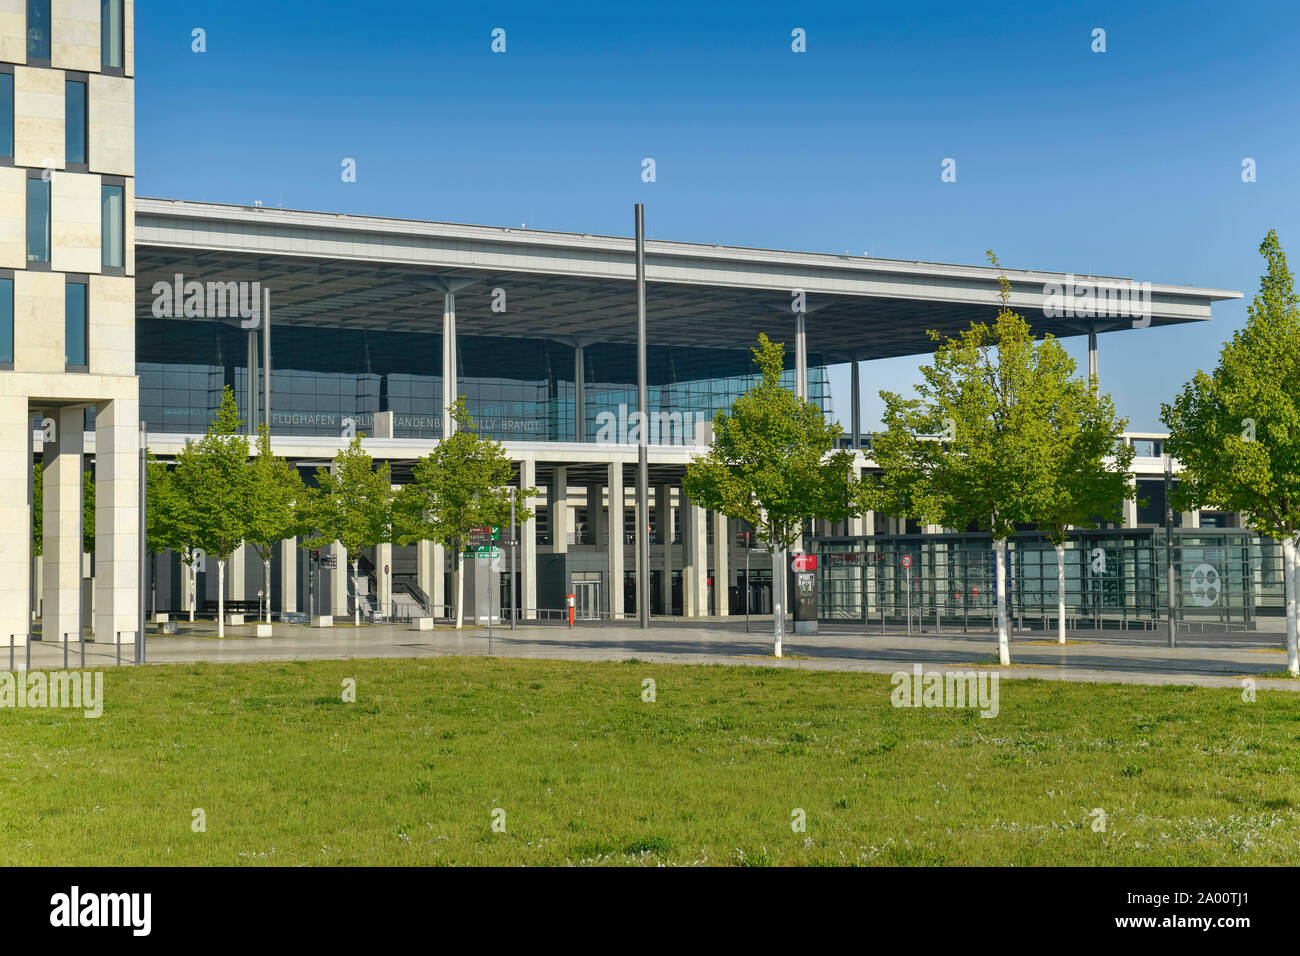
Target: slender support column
<point x="800" y="355"/>
<point x="558" y="511"/>
<point x="266" y="358"/>
<point x="1093" y="371"/>
<point x="424" y="567"/>
<point x="450" y="384"/>
<point x="616" y="540"/>
<point x="595" y="505"/>
<point x="721" y="564"/>
<point x="579" y="394"/>
<point x="527" y="550"/>
<point x="289" y="575"/>
<point x="855" y="402"/>
<point x="250" y="397"/>
<point x="236" y="575"/>
<point x="664" y="535"/>
<point x="62" y="527"/>
<point x="1130" y="508"/>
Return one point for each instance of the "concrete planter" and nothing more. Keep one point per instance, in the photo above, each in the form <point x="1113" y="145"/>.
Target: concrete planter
<point x="323" y="620"/>
<point x="261" y="630"/>
<point x="234" y="619"/>
<point x="422" y="624"/>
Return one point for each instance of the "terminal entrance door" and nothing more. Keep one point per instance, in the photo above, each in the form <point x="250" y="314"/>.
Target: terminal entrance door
<point x="586" y="600"/>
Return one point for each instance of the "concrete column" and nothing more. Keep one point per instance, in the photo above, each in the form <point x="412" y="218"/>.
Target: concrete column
<point x="664" y="535"/>
<point x="1094" y="372"/>
<point x="595" y="505"/>
<point x="289" y="575"/>
<point x="338" y="597"/>
<point x="437" y="571"/>
<point x="15" y="517"/>
<point x="450" y="383"/>
<point x="800" y="356"/>
<point x="695" y="560"/>
<point x="384" y="581"/>
<point x="856" y="525"/>
<point x="558" y="512"/>
<point x="527" y="550"/>
<point x="1130" y="509"/>
<point x="721" y="565"/>
<point x="855" y="402"/>
<point x="62" y="490"/>
<point x="616" y="539"/>
<point x="235" y="573"/>
<point x="1191" y="519"/>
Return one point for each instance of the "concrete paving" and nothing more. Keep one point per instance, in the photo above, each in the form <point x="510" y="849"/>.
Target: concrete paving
<point x="1215" y="660"/>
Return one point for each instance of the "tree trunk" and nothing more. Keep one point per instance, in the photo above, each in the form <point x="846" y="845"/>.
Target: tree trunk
<point x="193" y="573"/>
<point x="460" y="588"/>
<point x="1004" y="645"/>
<point x="356" y="592"/>
<point x="221" y="597"/>
<point x="778" y="596"/>
<point x="266" y="586"/>
<point x="1060" y="592"/>
<point x="1289" y="561"/>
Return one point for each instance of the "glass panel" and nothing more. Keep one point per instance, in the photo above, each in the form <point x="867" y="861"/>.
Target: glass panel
<point x="38" y="220"/>
<point x="6" y="320"/>
<point x="111" y="226"/>
<point x="110" y="35"/>
<point x="6" y="114"/>
<point x="74" y="326"/>
<point x="75" y="121"/>
<point x="38" y="29"/>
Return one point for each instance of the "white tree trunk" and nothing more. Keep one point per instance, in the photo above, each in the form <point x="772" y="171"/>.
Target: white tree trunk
<point x="194" y="588"/>
<point x="460" y="590"/>
<point x="266" y="586"/>
<point x="1060" y="592"/>
<point x="778" y="596"/>
<point x="356" y="592"/>
<point x="1004" y="645"/>
<point x="1289" y="560"/>
<point x="221" y="598"/>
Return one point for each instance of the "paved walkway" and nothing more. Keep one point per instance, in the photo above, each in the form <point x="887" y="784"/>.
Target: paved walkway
<point x="1109" y="657"/>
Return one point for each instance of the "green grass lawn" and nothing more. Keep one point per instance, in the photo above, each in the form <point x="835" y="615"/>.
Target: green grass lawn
<point x="586" y="772"/>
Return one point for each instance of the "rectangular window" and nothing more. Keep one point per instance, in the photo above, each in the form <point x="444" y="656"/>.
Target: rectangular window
<point x="38" y="29"/>
<point x="75" y="121"/>
<point x="74" y="326"/>
<point x="110" y="33"/>
<point x="7" y="115"/>
<point x="38" y="219"/>
<point x="112" y="237"/>
<point x="7" y="321"/>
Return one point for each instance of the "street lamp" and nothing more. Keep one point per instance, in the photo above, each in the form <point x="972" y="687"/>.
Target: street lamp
<point x="1170" y="592"/>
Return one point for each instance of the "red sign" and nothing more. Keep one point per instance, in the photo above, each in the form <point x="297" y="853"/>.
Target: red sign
<point x="803" y="562"/>
<point x="907" y="560"/>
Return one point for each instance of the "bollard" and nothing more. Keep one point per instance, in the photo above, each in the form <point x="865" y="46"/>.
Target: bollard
<point x="65" y="650"/>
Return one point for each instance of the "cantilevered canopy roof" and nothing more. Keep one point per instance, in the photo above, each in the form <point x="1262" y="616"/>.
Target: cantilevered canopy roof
<point x="343" y="271"/>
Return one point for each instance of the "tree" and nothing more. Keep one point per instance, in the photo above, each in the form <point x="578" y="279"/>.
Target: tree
<point x="1085" y="487"/>
<point x="276" y="496"/>
<point x="354" y="507"/>
<point x="1236" y="431"/>
<point x="461" y="485"/>
<point x="772" y="464"/>
<point x="211" y="493"/>
<point x="977" y="445"/>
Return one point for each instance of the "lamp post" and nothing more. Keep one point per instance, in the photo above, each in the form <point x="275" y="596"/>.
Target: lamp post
<point x="1170" y="590"/>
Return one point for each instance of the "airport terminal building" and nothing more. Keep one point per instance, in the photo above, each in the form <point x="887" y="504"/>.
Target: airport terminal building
<point x="326" y="324"/>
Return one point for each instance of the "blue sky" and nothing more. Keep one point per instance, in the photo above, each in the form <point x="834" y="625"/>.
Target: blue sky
<point x="1122" y="163"/>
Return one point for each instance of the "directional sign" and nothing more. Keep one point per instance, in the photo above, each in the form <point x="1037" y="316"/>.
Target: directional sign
<point x="907" y="560"/>
<point x="486" y="552"/>
<point x="483" y="536"/>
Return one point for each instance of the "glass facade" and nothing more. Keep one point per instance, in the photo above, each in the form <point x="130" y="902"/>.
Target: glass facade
<point x="7" y="115"/>
<point x="6" y="321"/>
<point x="38" y="29"/>
<point x="38" y="220"/>
<point x="112" y="226"/>
<point x="516" y="389"/>
<point x="74" y="114"/>
<point x="75" y="325"/>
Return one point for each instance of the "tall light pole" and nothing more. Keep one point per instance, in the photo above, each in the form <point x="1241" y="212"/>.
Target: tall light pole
<point x="642" y="441"/>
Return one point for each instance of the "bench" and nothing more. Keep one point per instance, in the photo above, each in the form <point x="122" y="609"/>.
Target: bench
<point x="233" y="607"/>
